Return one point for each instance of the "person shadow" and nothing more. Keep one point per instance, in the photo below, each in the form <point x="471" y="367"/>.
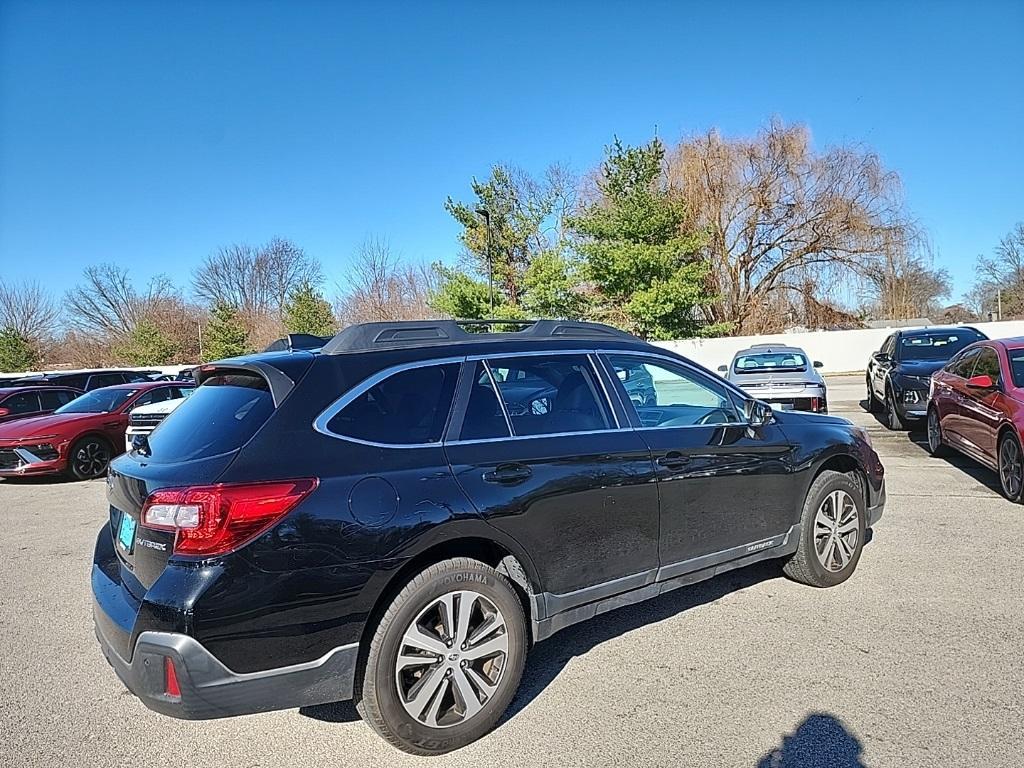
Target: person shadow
<point x="820" y="741"/>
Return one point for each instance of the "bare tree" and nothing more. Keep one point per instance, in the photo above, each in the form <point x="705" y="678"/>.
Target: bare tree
<point x="903" y="284"/>
<point x="379" y="286"/>
<point x="255" y="280"/>
<point x="1000" y="278"/>
<point x="29" y="309"/>
<point x="776" y="214"/>
<point x="107" y="304"/>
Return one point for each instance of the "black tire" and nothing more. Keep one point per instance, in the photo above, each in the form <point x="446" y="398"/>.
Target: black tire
<point x="1009" y="443"/>
<point x="89" y="458"/>
<point x="872" y="400"/>
<point x="806" y="564"/>
<point x="377" y="695"/>
<point x="933" y="427"/>
<point x="893" y="420"/>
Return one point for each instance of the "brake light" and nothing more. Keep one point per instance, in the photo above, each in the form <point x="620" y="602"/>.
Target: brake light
<point x="217" y="519"/>
<point x="5" y="411"/>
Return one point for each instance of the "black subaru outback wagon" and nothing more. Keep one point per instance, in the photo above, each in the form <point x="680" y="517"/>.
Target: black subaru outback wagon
<point x="397" y="517"/>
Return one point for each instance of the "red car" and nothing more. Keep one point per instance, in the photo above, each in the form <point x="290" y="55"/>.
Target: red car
<point x="81" y="437"/>
<point x="976" y="405"/>
<point x="24" y="402"/>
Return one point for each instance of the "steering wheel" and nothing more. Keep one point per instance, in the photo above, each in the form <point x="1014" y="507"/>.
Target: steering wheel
<point x="720" y="414"/>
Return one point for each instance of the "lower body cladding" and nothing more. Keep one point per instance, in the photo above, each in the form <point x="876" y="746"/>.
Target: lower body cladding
<point x="175" y="674"/>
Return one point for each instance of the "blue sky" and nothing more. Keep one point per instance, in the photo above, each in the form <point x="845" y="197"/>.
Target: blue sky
<point x="150" y="133"/>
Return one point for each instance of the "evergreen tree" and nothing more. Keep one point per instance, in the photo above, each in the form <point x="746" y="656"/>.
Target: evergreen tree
<point x="17" y="353"/>
<point x="637" y="250"/>
<point x="147" y="345"/>
<point x="225" y="334"/>
<point x="307" y="311"/>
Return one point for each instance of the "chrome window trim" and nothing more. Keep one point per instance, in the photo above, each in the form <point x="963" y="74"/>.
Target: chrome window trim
<point x="729" y="386"/>
<point x="332" y="410"/>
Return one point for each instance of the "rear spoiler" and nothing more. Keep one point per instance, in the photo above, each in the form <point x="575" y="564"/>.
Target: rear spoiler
<point x="279" y="383"/>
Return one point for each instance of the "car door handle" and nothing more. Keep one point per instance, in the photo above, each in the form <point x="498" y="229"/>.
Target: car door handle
<point x="508" y="473"/>
<point x="674" y="460"/>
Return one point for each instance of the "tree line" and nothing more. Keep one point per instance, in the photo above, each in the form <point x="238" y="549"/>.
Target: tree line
<point x="708" y="236"/>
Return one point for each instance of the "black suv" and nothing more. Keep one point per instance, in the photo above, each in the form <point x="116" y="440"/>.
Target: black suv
<point x="397" y="517"/>
<point x="86" y="381"/>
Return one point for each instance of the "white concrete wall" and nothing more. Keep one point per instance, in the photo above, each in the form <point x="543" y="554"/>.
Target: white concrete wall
<point x="838" y="351"/>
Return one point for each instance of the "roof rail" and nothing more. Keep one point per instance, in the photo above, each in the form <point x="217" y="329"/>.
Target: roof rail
<point x="297" y="341"/>
<point x="415" y="333"/>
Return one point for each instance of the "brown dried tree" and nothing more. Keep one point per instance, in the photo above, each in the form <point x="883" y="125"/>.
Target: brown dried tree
<point x="777" y="213"/>
<point x="380" y="286"/>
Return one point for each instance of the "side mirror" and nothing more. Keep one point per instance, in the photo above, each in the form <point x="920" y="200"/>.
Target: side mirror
<point x="881" y="357"/>
<point x="818" y="364"/>
<point x="758" y="413"/>
<point x="981" y="382"/>
<point x="723" y="369"/>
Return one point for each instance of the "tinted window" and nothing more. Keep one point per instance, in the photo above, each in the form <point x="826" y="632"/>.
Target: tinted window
<point x="668" y="395"/>
<point x="1016" y="357"/>
<point x="105" y="380"/>
<point x="98" y="401"/>
<point x="765" y="362"/>
<point x="964" y="364"/>
<point x="409" y="407"/>
<point x="220" y="416"/>
<point x="23" y="402"/>
<point x="937" y="345"/>
<point x="484" y="417"/>
<point x="988" y="365"/>
<point x="550" y="395"/>
<point x="157" y="395"/>
<point x="53" y="399"/>
<point x="76" y="381"/>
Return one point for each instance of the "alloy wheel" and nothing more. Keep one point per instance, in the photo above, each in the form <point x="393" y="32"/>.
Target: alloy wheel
<point x="90" y="459"/>
<point x="451" y="659"/>
<point x="1011" y="468"/>
<point x="934" y="431"/>
<point x="836" y="531"/>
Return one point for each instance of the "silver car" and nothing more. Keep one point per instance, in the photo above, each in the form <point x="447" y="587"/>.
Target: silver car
<point x="780" y="375"/>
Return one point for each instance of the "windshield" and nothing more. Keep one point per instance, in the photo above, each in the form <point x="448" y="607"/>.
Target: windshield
<point x="1016" y="357"/>
<point x="766" y="362"/>
<point x="936" y="346"/>
<point x="98" y="401"/>
<point x="218" y="417"/>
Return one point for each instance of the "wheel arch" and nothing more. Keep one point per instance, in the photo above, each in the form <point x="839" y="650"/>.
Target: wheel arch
<point x="845" y="462"/>
<point x="92" y="433"/>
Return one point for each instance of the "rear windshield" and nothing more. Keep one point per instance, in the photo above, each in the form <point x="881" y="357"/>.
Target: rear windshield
<point x="1016" y="357"/>
<point x="936" y="346"/>
<point x="220" y="416"/>
<point x="765" y="362"/>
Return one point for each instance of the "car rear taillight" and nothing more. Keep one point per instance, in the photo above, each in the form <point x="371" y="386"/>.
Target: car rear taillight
<point x="5" y="411"/>
<point x="217" y="519"/>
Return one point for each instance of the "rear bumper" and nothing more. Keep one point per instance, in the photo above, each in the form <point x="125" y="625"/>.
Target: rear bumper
<point x="209" y="689"/>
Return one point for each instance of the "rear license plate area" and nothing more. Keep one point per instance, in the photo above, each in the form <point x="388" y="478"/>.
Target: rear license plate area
<point x="126" y="532"/>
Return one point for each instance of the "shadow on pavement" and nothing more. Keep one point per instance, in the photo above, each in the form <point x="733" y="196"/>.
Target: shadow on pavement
<point x="546" y="660"/>
<point x="820" y="741"/>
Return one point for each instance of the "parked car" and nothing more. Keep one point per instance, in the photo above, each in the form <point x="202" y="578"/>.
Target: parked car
<point x="79" y="438"/>
<point x="976" y="405"/>
<point x="899" y="374"/>
<point x="143" y="419"/>
<point x="373" y="521"/>
<point x="780" y="375"/>
<point x="23" y="402"/>
<point x="85" y="381"/>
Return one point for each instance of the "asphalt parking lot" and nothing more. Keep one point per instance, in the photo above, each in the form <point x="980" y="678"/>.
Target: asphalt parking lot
<point x="916" y="661"/>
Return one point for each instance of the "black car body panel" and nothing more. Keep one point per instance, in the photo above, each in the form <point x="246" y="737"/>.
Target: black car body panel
<point x="582" y="520"/>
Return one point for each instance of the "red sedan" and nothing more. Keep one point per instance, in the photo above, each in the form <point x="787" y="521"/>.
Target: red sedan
<point x="81" y="437"/>
<point x="976" y="405"/>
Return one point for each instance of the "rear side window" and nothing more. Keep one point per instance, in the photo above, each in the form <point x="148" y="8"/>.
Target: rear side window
<point x="549" y="395"/>
<point x="219" y="417"/>
<point x="54" y="399"/>
<point x="106" y="380"/>
<point x="78" y="382"/>
<point x="964" y="364"/>
<point x="409" y="407"/>
<point x="23" y="402"/>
